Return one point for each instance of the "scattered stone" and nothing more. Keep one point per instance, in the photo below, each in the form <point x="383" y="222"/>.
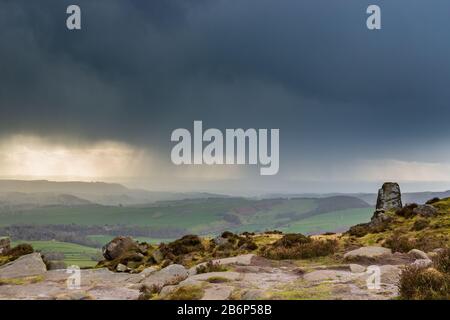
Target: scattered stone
<point x="121" y="268"/>
<point x="148" y="271"/>
<point x="425" y="210"/>
<point x="25" y="266"/>
<point x="422" y="263"/>
<point x="418" y="254"/>
<point x="367" y="254"/>
<point x="357" y="268"/>
<point x="170" y="275"/>
<point x="242" y="260"/>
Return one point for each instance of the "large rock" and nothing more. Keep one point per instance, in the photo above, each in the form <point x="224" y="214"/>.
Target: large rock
<point x="118" y="246"/>
<point x="425" y="210"/>
<point x="25" y="266"/>
<point x="5" y="245"/>
<point x="170" y="275"/>
<point x="357" y="268"/>
<point x="389" y="197"/>
<point x="367" y="254"/>
<point x="418" y="254"/>
<point x="422" y="263"/>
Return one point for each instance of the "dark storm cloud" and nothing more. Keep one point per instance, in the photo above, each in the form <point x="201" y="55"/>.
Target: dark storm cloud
<point x="139" y="69"/>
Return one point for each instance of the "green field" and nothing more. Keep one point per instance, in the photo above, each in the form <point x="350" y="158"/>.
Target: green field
<point x="182" y="214"/>
<point x="199" y="216"/>
<point x="332" y="221"/>
<point x="207" y="217"/>
<point x="74" y="254"/>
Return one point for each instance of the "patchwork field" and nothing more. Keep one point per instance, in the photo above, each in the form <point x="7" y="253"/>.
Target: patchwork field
<point x="74" y="254"/>
<point x="94" y="225"/>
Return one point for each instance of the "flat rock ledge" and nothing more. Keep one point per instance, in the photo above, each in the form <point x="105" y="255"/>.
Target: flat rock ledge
<point x="247" y="277"/>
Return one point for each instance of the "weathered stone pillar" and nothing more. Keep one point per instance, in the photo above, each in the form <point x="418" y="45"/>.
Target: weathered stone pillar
<point x="389" y="197"/>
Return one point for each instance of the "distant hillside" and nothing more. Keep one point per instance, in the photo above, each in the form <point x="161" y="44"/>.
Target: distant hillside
<point x="370" y="198"/>
<point x="70" y="187"/>
<point x="19" y="200"/>
<point x="204" y="216"/>
<point x="96" y="192"/>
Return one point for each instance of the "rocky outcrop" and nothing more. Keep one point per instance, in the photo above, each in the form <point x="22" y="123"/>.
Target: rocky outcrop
<point x="118" y="246"/>
<point x="250" y="278"/>
<point x="25" y="266"/>
<point x="389" y="197"/>
<point x="5" y="245"/>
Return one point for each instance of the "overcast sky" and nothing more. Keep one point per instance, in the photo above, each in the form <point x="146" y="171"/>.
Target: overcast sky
<point x="354" y="107"/>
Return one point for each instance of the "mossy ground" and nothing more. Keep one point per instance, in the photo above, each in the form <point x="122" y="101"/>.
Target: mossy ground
<point x="21" y="281"/>
<point x="425" y="233"/>
<point x="217" y="279"/>
<point x="189" y="292"/>
<point x="300" y="290"/>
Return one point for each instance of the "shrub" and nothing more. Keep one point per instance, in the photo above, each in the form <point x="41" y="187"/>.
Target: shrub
<point x="292" y="239"/>
<point x="399" y="243"/>
<point x="434" y="200"/>
<point x="407" y="211"/>
<point x="303" y="249"/>
<point x="424" y="284"/>
<point x="190" y="292"/>
<point x="273" y="232"/>
<point x="20" y="250"/>
<point x="360" y="230"/>
<point x="442" y="261"/>
<point x="186" y="244"/>
<point x="210" y="266"/>
<point x="420" y="224"/>
<point x="217" y="279"/>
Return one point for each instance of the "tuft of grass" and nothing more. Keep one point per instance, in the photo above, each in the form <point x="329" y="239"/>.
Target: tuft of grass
<point x="210" y="266"/>
<point x="400" y="243"/>
<point x="424" y="284"/>
<point x="420" y="224"/>
<point x="189" y="292"/>
<point x="442" y="261"/>
<point x="427" y="283"/>
<point x="21" y="281"/>
<point x="302" y="291"/>
<point x="217" y="279"/>
<point x="407" y="211"/>
<point x="298" y="246"/>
